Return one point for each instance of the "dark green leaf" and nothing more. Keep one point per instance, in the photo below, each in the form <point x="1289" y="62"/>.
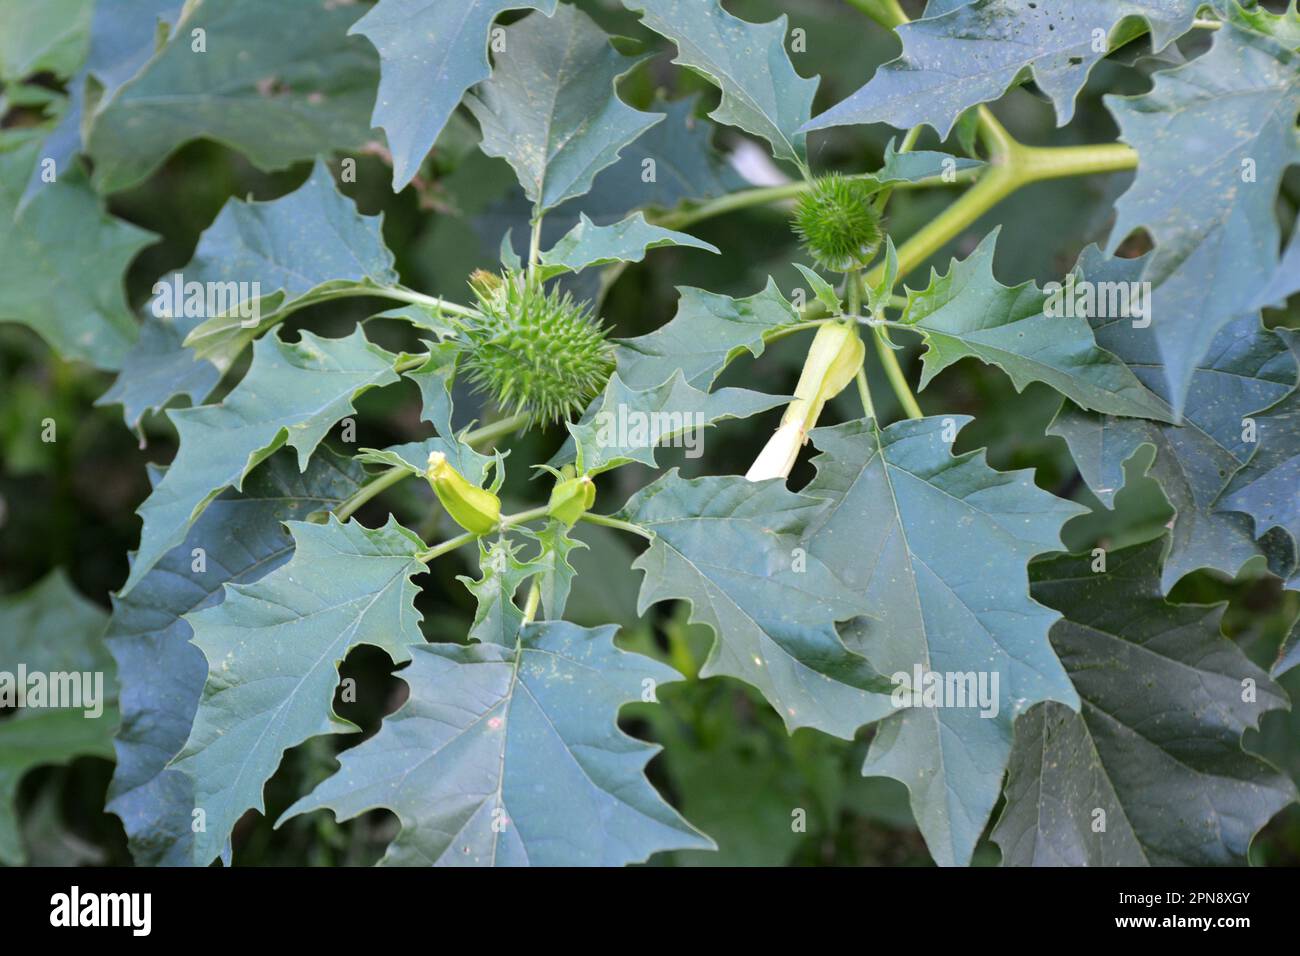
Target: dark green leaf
<point x="50" y="630"/>
<point x="236" y="541"/>
<point x="1151" y="771"/>
<point x="761" y="92"/>
<point x="961" y="55"/>
<point x="1214" y="138"/>
<point x="293" y="393"/>
<point x="279" y="82"/>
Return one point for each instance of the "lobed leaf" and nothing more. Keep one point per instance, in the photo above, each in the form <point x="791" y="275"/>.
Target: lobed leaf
<point x="966" y="53"/>
<point x="1247" y="368"/>
<point x="551" y="110"/>
<point x="1151" y="770"/>
<point x="706" y="334"/>
<point x="293" y="393"/>
<point x="761" y="92"/>
<point x="431" y="52"/>
<point x="63" y="239"/>
<point x="1214" y="138"/>
<point x="967" y="312"/>
<point x="50" y="629"/>
<point x="281" y="83"/>
<point x="512" y="756"/>
<point x="273" y="649"/>
<point x="735" y="551"/>
<point x="237" y="540"/>
<point x="267" y="259"/>
<point x="936" y="547"/>
<point x="626" y="424"/>
<point x="587" y="244"/>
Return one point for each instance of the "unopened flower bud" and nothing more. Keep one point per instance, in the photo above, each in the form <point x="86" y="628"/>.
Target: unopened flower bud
<point x="833" y="361"/>
<point x="475" y="509"/>
<point x="571" y="498"/>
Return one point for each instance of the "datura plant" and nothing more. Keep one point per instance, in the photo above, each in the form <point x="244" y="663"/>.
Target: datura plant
<point x="604" y="442"/>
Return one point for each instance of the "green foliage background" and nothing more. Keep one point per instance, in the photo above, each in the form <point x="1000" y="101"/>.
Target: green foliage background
<point x="728" y="764"/>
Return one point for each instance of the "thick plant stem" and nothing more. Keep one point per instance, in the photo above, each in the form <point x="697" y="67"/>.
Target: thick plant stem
<point x="451" y="544"/>
<point x="1012" y="165"/>
<point x="853" y="290"/>
<point x="534" y="249"/>
<point x="864" y="393"/>
<point x="506" y="426"/>
<point x="401" y="294"/>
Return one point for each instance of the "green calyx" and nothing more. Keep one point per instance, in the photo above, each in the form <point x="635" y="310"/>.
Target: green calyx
<point x="537" y="353"/>
<point x="475" y="509"/>
<point x="571" y="499"/>
<point x="837" y="223"/>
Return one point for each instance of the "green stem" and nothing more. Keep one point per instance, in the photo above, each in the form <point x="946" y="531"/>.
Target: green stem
<point x="363" y="494"/>
<point x="410" y="296"/>
<point x="451" y="544"/>
<point x="608" y="522"/>
<point x="788" y="330"/>
<point x="495" y="430"/>
<point x="391" y="476"/>
<point x="534" y="599"/>
<point x="535" y="249"/>
<point x="897" y="380"/>
<point x="853" y="288"/>
<point x="1013" y="165"/>
<point x="522" y="517"/>
<point x="864" y="392"/>
<point x="763" y="195"/>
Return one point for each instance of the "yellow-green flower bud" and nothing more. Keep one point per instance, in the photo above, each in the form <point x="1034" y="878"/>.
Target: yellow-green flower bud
<point x="571" y="498"/>
<point x="476" y="510"/>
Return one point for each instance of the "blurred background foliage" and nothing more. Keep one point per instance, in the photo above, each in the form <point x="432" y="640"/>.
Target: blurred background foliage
<point x="766" y="797"/>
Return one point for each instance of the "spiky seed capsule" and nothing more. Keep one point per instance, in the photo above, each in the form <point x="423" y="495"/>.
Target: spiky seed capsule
<point x="837" y="223"/>
<point x="540" y="354"/>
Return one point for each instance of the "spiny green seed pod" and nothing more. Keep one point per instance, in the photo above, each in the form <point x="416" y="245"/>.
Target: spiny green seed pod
<point x="540" y="354"/>
<point x="475" y="509"/>
<point x="837" y="223"/>
<point x="571" y="498"/>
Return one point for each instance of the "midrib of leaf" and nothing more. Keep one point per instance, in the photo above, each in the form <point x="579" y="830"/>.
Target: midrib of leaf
<point x="1105" y="775"/>
<point x="1111" y="639"/>
<point x="561" y="78"/>
<point x="505" y="742"/>
<point x="555" y="730"/>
